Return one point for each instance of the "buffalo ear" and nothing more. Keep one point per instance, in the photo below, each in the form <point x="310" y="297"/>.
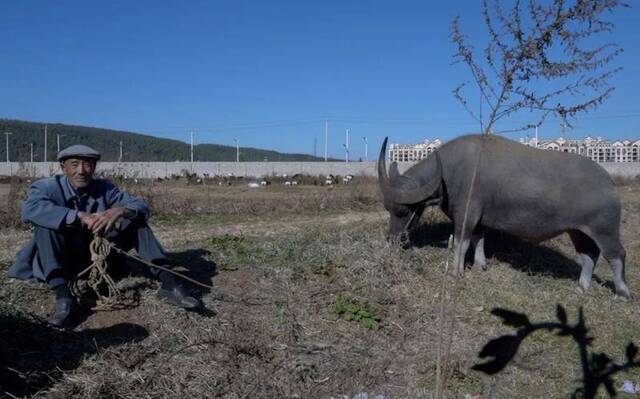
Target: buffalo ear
<point x="393" y="170"/>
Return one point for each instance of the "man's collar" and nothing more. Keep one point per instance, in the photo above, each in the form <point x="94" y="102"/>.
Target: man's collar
<point x="71" y="192"/>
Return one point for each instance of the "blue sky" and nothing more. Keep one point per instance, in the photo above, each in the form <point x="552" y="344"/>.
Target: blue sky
<point x="266" y="72"/>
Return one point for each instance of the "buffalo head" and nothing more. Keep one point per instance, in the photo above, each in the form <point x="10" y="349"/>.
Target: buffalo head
<point x="405" y="197"/>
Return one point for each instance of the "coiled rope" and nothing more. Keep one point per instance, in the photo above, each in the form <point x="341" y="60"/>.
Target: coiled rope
<point x="100" y="249"/>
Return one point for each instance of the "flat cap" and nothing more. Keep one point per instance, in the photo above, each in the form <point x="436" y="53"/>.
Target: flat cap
<point x="78" y="151"/>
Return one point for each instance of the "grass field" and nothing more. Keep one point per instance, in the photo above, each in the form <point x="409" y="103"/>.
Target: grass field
<point x="311" y="301"/>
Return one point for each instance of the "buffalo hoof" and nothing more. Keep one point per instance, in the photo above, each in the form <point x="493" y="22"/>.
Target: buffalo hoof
<point x="623" y="296"/>
<point x="479" y="266"/>
<point x="454" y="272"/>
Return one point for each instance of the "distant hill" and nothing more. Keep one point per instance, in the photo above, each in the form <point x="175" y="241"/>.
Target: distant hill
<point x="137" y="147"/>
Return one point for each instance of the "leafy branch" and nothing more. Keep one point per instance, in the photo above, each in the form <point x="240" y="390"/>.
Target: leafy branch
<point x="598" y="369"/>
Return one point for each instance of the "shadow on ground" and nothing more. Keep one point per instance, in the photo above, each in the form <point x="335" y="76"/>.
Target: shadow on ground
<point x="192" y="263"/>
<point x="521" y="255"/>
<point x="33" y="354"/>
<point x="529" y="257"/>
<point x="431" y="235"/>
<point x="200" y="268"/>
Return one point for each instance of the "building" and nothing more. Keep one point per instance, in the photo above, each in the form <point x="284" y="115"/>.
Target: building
<point x="597" y="149"/>
<point x="412" y="152"/>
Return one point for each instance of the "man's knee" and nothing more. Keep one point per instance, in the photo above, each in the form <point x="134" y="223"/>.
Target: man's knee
<point x="43" y="233"/>
<point x="49" y="242"/>
<point x="125" y="232"/>
<point x="126" y="228"/>
<point x="135" y="234"/>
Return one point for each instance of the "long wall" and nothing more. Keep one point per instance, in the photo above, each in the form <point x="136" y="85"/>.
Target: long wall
<point x="252" y="169"/>
<point x="166" y="169"/>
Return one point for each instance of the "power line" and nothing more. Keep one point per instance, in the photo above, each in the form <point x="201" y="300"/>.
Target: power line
<point x="223" y="128"/>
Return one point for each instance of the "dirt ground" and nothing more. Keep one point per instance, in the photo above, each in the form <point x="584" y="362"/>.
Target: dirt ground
<point x="311" y="301"/>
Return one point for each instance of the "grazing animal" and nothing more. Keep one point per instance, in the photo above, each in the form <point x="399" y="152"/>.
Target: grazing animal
<point x="329" y="180"/>
<point x="527" y="192"/>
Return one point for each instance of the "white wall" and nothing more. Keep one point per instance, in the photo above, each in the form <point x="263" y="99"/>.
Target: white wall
<point x="254" y="169"/>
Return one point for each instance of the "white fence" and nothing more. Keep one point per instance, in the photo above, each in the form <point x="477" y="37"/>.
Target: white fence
<point x="252" y="169"/>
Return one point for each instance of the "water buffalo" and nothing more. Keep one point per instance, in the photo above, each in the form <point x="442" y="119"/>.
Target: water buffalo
<point x="527" y="192"/>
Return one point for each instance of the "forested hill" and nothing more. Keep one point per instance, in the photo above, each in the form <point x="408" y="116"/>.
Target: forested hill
<point x="137" y="147"/>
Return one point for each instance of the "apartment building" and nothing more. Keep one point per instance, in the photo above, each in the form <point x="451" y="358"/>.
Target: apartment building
<point x="597" y="149"/>
<point x="412" y="152"/>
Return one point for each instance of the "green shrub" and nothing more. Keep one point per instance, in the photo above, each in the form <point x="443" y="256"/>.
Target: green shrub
<point x="233" y="250"/>
<point x="353" y="310"/>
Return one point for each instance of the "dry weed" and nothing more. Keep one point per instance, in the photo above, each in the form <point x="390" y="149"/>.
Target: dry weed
<point x="271" y="332"/>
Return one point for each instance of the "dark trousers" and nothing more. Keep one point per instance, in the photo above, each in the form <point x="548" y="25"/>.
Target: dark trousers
<point x="64" y="253"/>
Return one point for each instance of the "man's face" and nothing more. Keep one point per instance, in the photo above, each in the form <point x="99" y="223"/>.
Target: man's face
<point x="79" y="171"/>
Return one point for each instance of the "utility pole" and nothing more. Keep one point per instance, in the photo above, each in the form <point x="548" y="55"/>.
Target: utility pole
<point x="58" y="135"/>
<point x="45" y="142"/>
<point x="237" y="149"/>
<point x="562" y="126"/>
<point x="120" y="157"/>
<point x="7" y="134"/>
<point x="366" y="150"/>
<point x="536" y="136"/>
<point x="315" y="146"/>
<point x="326" y="136"/>
<point x="192" y="149"/>
<point x="346" y="147"/>
<point x="31" y="151"/>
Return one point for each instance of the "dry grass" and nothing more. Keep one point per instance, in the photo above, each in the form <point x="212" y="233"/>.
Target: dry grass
<point x="271" y="331"/>
<point x="170" y="198"/>
<point x="12" y="192"/>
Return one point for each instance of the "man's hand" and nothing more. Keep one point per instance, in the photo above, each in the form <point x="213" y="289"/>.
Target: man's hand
<point x="102" y="222"/>
<point x="87" y="219"/>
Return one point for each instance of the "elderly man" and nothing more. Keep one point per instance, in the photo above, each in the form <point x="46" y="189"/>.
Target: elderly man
<point x="67" y="211"/>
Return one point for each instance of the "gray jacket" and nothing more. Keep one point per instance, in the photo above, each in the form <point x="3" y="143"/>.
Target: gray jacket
<point x="53" y="203"/>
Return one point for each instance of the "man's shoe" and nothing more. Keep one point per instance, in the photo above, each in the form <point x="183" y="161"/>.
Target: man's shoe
<point x="178" y="296"/>
<point x="61" y="312"/>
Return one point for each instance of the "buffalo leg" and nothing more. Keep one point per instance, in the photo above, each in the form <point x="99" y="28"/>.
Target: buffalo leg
<point x="460" y="248"/>
<point x="462" y="239"/>
<point x="617" y="266"/>
<point x="614" y="253"/>
<point x="588" y="252"/>
<point x="479" y="260"/>
<point x="459" y="251"/>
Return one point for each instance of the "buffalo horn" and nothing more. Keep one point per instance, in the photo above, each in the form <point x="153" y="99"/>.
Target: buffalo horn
<point x="402" y="195"/>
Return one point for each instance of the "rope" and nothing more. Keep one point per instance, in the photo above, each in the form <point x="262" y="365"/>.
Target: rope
<point x="99" y="276"/>
<point x="100" y="249"/>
